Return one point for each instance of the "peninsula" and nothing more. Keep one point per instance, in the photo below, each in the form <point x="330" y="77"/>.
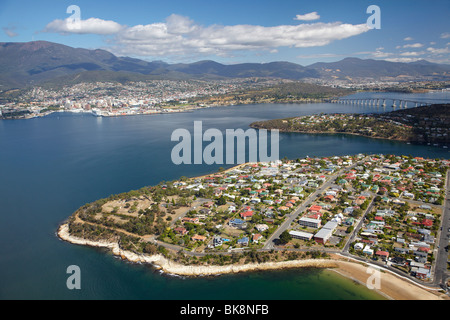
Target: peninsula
<point x="312" y="212"/>
<point x="427" y="124"/>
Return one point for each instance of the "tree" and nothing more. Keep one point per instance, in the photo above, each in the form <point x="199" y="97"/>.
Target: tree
<point x="285" y="237"/>
<point x="150" y="248"/>
<point x="221" y="201"/>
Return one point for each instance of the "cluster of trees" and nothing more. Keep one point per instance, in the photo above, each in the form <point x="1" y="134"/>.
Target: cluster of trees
<point x="371" y="126"/>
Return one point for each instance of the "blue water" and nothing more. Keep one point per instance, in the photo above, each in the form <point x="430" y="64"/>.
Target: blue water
<point x="51" y="166"/>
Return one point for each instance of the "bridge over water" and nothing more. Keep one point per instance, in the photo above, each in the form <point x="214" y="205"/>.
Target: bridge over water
<point x="380" y="102"/>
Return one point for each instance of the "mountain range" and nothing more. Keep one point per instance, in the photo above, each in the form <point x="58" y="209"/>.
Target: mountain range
<point x="40" y="62"/>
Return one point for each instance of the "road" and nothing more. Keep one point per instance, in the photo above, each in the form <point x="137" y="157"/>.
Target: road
<point x="356" y="230"/>
<point x="440" y="271"/>
<point x="440" y="265"/>
<point x="285" y="225"/>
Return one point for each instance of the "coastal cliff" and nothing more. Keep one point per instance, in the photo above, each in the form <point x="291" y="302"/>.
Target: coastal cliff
<point x="171" y="267"/>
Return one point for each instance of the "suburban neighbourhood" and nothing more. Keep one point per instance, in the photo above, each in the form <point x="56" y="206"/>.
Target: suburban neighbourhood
<point x="385" y="209"/>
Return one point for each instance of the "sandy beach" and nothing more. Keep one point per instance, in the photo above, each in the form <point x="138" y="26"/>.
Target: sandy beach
<point x="391" y="286"/>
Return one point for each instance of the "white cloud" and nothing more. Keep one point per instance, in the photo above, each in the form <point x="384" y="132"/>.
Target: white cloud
<point x="89" y="26"/>
<point x="408" y="39"/>
<point x="307" y="17"/>
<point x="438" y="51"/>
<point x="10" y="31"/>
<point x="411" y="53"/>
<point x="378" y="53"/>
<point x="405" y="60"/>
<point x="179" y="35"/>
<point x="414" y="45"/>
<point x="445" y="35"/>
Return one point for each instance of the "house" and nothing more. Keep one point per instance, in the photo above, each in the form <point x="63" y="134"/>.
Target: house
<point x="349" y="222"/>
<point x="399" y="261"/>
<point x="243" y="241"/>
<point x="217" y="241"/>
<point x="181" y="230"/>
<point x="421" y="273"/>
<point x="429" y="239"/>
<point x="358" y="246"/>
<point x="247" y="215"/>
<point x="401" y="250"/>
<point x="238" y="223"/>
<point x="205" y="211"/>
<point x="261" y="227"/>
<point x="349" y="210"/>
<point x="198" y="238"/>
<point x="427" y="223"/>
<point x="384" y="255"/>
<point x="209" y="204"/>
<point x="367" y="250"/>
<point x="289" y="205"/>
<point x="360" y="200"/>
<point x="257" y="237"/>
<point x="424" y="249"/>
<point x="408" y="195"/>
<point x="315" y="208"/>
<point x="190" y="220"/>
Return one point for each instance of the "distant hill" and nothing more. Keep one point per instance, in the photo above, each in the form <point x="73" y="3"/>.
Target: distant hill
<point x="23" y="64"/>
<point x="38" y="62"/>
<point x="359" y="68"/>
<point x="285" y="70"/>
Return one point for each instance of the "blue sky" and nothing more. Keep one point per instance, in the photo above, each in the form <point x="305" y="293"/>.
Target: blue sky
<point x="232" y="31"/>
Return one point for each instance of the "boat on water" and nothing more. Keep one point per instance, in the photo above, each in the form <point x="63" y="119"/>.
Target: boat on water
<point x="97" y="113"/>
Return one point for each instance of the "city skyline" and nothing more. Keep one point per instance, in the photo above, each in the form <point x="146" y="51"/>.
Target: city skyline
<point x="237" y="32"/>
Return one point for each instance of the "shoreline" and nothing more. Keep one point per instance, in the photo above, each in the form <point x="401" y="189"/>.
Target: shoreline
<point x="335" y="133"/>
<point x="392" y="287"/>
<point x="408" y="141"/>
<point x="162" y="263"/>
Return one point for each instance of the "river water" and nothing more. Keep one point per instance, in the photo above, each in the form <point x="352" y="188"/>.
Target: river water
<point x="51" y="166"/>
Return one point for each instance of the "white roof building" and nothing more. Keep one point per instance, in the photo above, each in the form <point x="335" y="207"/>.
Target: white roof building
<point x="301" y="235"/>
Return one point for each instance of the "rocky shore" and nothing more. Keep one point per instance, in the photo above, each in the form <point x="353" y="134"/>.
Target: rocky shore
<point x="168" y="266"/>
<point x="392" y="287"/>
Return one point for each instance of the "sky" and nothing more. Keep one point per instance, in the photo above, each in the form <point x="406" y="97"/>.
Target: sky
<point x="181" y="31"/>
